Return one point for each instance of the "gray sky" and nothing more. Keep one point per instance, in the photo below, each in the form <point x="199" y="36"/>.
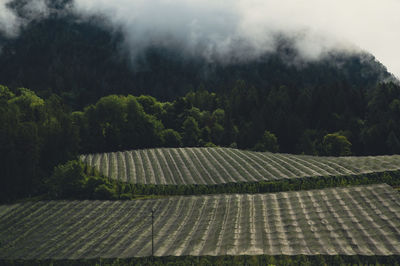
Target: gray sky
<point x="213" y="28"/>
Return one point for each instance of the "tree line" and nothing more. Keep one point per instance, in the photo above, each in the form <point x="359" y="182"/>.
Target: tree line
<point x="74" y="180"/>
<point x="37" y="133"/>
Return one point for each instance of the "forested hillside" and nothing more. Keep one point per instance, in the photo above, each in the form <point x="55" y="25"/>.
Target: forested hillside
<point x="82" y="61"/>
<point x="71" y="87"/>
<point x="42" y="133"/>
<point x="83" y="58"/>
<point x="198" y="133"/>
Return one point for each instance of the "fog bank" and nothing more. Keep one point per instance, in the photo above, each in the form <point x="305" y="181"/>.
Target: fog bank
<point x="241" y="29"/>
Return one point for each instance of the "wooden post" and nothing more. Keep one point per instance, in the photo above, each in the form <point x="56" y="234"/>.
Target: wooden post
<point x="152" y="232"/>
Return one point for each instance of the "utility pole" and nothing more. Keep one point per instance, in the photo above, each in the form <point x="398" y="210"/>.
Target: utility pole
<point x="152" y="232"/>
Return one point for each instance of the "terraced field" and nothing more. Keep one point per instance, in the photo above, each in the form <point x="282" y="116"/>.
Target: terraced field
<point x="210" y="166"/>
<point x="362" y="220"/>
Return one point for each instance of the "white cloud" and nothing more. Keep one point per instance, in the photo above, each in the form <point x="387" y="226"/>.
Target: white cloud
<point x="216" y="28"/>
<point x="9" y="22"/>
<point x="370" y="25"/>
<point x="197" y="26"/>
<point x="36" y="9"/>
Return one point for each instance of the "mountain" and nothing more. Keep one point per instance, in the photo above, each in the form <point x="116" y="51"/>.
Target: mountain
<point x="83" y="59"/>
<point x="73" y="67"/>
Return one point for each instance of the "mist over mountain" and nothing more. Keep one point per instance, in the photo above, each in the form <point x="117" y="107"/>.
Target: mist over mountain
<point x="74" y="49"/>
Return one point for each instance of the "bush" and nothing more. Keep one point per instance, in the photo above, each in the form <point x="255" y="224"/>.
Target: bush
<point x="104" y="192"/>
<point x="67" y="180"/>
<point x="336" y="145"/>
<point x="268" y="142"/>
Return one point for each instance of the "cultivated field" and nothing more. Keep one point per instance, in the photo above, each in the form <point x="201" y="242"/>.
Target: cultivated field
<point x="210" y="166"/>
<point x="362" y="220"/>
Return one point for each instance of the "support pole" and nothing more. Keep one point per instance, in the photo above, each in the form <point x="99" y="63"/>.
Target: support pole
<point x="152" y="232"/>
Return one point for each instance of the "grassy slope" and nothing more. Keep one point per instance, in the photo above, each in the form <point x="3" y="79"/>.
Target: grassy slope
<point x="361" y="220"/>
<point x="214" y="166"/>
<point x="194" y="171"/>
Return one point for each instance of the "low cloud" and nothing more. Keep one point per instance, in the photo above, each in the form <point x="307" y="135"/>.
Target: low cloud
<point x="240" y="29"/>
<point x="11" y="23"/>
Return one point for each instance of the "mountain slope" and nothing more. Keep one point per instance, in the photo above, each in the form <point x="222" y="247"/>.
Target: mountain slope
<point x="82" y="59"/>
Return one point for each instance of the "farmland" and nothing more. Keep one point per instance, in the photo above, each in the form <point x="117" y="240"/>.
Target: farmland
<point x="213" y="166"/>
<point x="361" y="220"/>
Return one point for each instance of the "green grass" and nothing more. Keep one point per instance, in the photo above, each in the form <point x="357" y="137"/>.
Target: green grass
<point x="317" y="260"/>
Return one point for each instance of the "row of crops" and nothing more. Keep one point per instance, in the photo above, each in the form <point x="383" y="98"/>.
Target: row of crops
<point x="353" y="223"/>
<point x="210" y="166"/>
<point x="363" y="220"/>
